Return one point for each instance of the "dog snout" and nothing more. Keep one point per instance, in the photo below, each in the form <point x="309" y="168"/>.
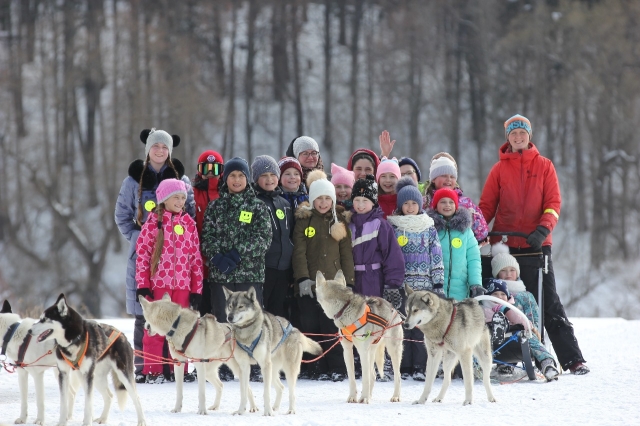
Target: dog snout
<point x="230" y="317"/>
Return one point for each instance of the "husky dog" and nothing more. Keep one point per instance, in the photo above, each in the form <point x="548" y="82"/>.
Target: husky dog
<point x="368" y="323"/>
<point x="192" y="337"/>
<point x="269" y="341"/>
<point x="90" y="350"/>
<point x="30" y="358"/>
<point x="454" y="330"/>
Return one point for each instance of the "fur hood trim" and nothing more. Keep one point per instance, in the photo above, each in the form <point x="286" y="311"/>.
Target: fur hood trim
<point x="338" y="230"/>
<point x="460" y="221"/>
<point x="149" y="180"/>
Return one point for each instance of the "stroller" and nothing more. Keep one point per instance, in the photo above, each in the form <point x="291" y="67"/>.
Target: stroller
<point x="515" y="349"/>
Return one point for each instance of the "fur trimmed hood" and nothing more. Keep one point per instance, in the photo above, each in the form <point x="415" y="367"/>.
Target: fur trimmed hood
<point x="338" y="230"/>
<point x="460" y="221"/>
<point x="149" y="178"/>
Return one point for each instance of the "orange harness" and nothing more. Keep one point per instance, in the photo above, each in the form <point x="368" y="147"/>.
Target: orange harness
<point x="368" y="317"/>
<point x="75" y="364"/>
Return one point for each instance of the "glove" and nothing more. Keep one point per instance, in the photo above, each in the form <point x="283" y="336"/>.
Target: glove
<point x="223" y="263"/>
<point x="537" y="237"/>
<point x="144" y="292"/>
<point x="393" y="296"/>
<point x="233" y="255"/>
<point x="439" y="290"/>
<point x="477" y="290"/>
<point x="194" y="300"/>
<point x="305" y="288"/>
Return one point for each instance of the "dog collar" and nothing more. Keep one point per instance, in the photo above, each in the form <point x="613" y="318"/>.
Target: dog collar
<point x="341" y="311"/>
<point x="174" y="327"/>
<point x="8" y="335"/>
<point x="453" y="315"/>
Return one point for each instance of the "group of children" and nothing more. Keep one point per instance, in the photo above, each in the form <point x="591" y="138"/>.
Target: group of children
<point x="273" y="225"/>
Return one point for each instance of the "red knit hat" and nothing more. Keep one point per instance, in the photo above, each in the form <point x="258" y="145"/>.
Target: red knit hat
<point x="444" y="193"/>
<point x="210" y="156"/>
<point x="364" y="153"/>
<point x="287" y="163"/>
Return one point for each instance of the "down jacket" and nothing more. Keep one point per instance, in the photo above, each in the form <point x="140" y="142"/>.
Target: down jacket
<point x="241" y="222"/>
<point x="126" y="212"/>
<point x="521" y="192"/>
<point x="280" y="250"/>
<point x="460" y="253"/>
<point x="479" y="225"/>
<point x="180" y="264"/>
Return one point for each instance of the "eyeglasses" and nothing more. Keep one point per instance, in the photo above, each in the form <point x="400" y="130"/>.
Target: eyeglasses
<point x="206" y="168"/>
<point x="307" y="154"/>
<point x="409" y="173"/>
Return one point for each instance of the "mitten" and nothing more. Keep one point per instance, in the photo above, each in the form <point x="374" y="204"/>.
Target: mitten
<point x="223" y="263"/>
<point x="305" y="288"/>
<point x="194" y="300"/>
<point x="438" y="289"/>
<point x="477" y="290"/>
<point x="537" y="237"/>
<point x="144" y="292"/>
<point x="233" y="255"/>
<point x="393" y="296"/>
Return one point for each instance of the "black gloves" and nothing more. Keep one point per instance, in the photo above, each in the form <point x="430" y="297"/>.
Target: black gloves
<point x="537" y="237"/>
<point x="194" y="300"/>
<point x="477" y="290"/>
<point x="233" y="255"/>
<point x="227" y="262"/>
<point x="144" y="292"/>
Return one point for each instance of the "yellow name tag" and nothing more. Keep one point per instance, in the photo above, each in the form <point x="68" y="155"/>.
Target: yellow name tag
<point x="150" y="205"/>
<point x="456" y="243"/>
<point x="402" y="240"/>
<point x="310" y="232"/>
<point x="280" y="214"/>
<point x="245" y="217"/>
<point x="178" y="229"/>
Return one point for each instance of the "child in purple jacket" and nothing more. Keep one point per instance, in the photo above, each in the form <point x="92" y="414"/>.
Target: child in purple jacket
<point x="378" y="259"/>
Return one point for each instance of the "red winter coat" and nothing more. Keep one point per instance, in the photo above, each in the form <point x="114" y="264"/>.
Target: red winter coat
<point x="180" y="265"/>
<point x="521" y="192"/>
<point x="204" y="191"/>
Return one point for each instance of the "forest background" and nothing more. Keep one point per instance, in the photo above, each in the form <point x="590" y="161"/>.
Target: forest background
<point x="79" y="80"/>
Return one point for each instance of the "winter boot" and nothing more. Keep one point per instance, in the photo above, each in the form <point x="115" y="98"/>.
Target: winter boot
<point x="549" y="369"/>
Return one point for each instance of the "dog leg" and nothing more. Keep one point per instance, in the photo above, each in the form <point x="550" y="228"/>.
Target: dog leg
<point x="266" y="367"/>
<point x="202" y="400"/>
<point x="466" y="362"/>
<point x="277" y="384"/>
<point x="23" y="384"/>
<point x="448" y="364"/>
<point x="395" y="352"/>
<point x="484" y="354"/>
<point x="253" y="407"/>
<point x="433" y="361"/>
<point x="347" y="351"/>
<point x="178" y="373"/>
<point x="291" y="373"/>
<point x="211" y="371"/>
<point x="367" y="358"/>
<point x="129" y="384"/>
<point x="89" y="378"/>
<point x="244" y="370"/>
<point x="103" y="387"/>
<point x="63" y="383"/>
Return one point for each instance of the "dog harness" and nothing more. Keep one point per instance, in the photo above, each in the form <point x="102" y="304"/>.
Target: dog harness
<point x="285" y="333"/>
<point x="8" y="335"/>
<point x="453" y="315"/>
<point x="76" y="363"/>
<point x="368" y="317"/>
<point x="188" y="338"/>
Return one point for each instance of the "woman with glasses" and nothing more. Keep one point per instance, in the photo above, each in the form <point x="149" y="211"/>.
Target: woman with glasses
<point x="305" y="149"/>
<point x="205" y="190"/>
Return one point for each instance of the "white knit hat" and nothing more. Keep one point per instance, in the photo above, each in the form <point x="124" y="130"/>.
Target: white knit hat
<point x="442" y="166"/>
<point x="158" y="136"/>
<point x="304" y="143"/>
<point x="501" y="261"/>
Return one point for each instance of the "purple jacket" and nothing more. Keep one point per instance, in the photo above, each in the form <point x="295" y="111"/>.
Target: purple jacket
<point x="378" y="259"/>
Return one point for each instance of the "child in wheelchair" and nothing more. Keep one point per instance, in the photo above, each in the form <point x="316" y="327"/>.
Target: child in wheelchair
<point x="507" y="286"/>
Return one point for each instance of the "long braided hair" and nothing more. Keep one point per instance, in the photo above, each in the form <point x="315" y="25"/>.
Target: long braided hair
<point x="157" y="248"/>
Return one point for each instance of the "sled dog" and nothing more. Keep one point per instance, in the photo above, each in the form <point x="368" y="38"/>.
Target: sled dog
<point x="89" y="350"/>
<point x="455" y="331"/>
<point x="192" y="337"/>
<point x="269" y="341"/>
<point x="371" y="324"/>
<point x="31" y="358"/>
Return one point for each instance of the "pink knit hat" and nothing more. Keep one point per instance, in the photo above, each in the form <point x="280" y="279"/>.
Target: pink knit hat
<point x="342" y="176"/>
<point x="388" y="165"/>
<point x="169" y="187"/>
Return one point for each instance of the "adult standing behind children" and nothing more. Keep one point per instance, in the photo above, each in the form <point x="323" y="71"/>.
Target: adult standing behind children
<point x="136" y="199"/>
<point x="235" y="236"/>
<point x="266" y="174"/>
<point x="522" y="193"/>
<point x="205" y="189"/>
<point x="305" y="149"/>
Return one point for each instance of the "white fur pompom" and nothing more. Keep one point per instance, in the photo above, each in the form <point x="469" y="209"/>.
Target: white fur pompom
<point x="499" y="248"/>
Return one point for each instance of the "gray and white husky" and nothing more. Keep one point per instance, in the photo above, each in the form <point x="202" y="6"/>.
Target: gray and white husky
<point x="269" y="341"/>
<point x="31" y="358"/>
<point x="92" y="351"/>
<point x="371" y="324"/>
<point x="190" y="336"/>
<point x="453" y="331"/>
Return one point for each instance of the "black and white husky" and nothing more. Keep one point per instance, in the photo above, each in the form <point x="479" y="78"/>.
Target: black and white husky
<point x="91" y="351"/>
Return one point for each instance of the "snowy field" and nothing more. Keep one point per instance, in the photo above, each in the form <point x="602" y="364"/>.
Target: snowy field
<point x="608" y="395"/>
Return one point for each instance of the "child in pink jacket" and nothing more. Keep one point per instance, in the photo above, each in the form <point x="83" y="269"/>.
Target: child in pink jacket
<point x="169" y="262"/>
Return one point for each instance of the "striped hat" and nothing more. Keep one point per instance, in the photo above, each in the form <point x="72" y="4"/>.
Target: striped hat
<point x="517" y="122"/>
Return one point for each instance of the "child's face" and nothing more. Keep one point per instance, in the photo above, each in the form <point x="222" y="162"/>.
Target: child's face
<point x="509" y="273"/>
<point x="268" y="181"/>
<point x="362" y="205"/>
<point x="445" y="181"/>
<point x="362" y="168"/>
<point x="446" y="207"/>
<point x="323" y="204"/>
<point x="500" y="295"/>
<point x="388" y="182"/>
<point x="236" y="182"/>
<point x="175" y="203"/>
<point x="408" y="170"/>
<point x="519" y="139"/>
<point x="410" y="207"/>
<point x="343" y="192"/>
<point x="159" y="153"/>
<point x="290" y="180"/>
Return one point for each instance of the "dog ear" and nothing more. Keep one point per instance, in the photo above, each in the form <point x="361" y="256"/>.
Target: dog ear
<point x="320" y="280"/>
<point x="340" y="277"/>
<point x="227" y="293"/>
<point x="143" y="301"/>
<point x="251" y="293"/>
<point x="61" y="304"/>
<point x="6" y="308"/>
<point x="408" y="289"/>
<point x="426" y="298"/>
<point x="166" y="297"/>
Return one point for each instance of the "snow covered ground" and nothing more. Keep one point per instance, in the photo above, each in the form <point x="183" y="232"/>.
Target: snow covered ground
<point x="608" y="395"/>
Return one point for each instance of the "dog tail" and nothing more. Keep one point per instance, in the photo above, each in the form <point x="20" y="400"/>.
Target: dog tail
<point x="121" y="391"/>
<point x="310" y="346"/>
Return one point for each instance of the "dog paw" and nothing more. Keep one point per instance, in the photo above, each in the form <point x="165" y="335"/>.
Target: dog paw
<point x="437" y="400"/>
<point x="22" y="421"/>
<point x="39" y="422"/>
<point x="142" y="423"/>
<point x="239" y="412"/>
<point x="467" y="402"/>
<point x="364" y="400"/>
<point x="291" y="411"/>
<point x="395" y="399"/>
<point x="492" y="399"/>
<point x="214" y="407"/>
<point x="100" y="420"/>
<point x="419" y="401"/>
<point x="268" y="413"/>
<point x="202" y="412"/>
<point x="176" y="410"/>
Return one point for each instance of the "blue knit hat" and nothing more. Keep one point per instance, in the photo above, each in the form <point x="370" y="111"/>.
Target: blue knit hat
<point x="406" y="161"/>
<point x="496" y="284"/>
<point x="236" y="164"/>
<point x="517" y="122"/>
<point x="407" y="190"/>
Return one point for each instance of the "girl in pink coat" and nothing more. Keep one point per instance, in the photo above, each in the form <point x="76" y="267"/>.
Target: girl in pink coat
<point x="169" y="262"/>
